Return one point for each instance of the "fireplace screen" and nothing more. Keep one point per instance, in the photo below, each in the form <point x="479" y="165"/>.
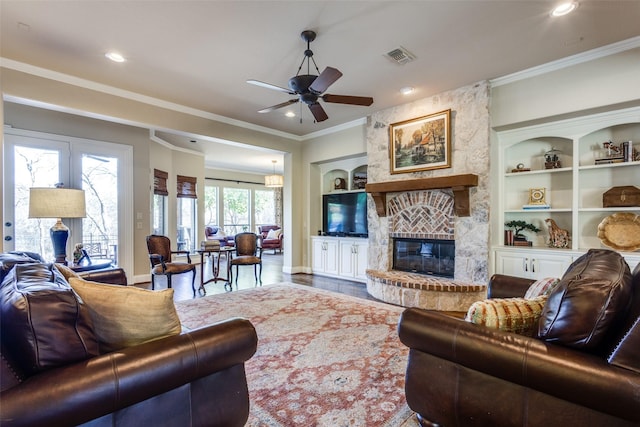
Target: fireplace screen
<point x="425" y="256"/>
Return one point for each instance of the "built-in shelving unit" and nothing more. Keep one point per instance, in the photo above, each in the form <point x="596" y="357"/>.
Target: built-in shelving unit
<point x="344" y="175"/>
<point x="574" y="190"/>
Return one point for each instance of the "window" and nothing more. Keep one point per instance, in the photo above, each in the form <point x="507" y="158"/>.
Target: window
<point x="160" y="194"/>
<point x="186" y="219"/>
<point x="241" y="208"/>
<point x="236" y="210"/>
<point x="210" y="205"/>
<point x="100" y="185"/>
<point x="265" y="207"/>
<point x="33" y="167"/>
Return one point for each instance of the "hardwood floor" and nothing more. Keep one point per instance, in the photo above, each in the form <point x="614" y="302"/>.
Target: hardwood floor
<point x="271" y="273"/>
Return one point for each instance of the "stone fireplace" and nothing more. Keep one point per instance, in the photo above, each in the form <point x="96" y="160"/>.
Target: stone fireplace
<point x="440" y="204"/>
<point x="425" y="255"/>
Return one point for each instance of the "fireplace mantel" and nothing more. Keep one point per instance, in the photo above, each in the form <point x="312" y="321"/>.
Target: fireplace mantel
<point x="458" y="183"/>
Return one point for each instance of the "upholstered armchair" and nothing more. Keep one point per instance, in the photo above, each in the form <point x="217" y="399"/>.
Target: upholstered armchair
<point x="248" y="252"/>
<point x="271" y="236"/>
<point x="160" y="257"/>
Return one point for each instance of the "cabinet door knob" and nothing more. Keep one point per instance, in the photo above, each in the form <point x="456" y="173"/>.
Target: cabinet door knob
<point x="525" y="264"/>
<point x="533" y="265"/>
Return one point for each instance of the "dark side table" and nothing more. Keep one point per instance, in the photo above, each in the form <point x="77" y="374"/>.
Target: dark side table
<point x="95" y="265"/>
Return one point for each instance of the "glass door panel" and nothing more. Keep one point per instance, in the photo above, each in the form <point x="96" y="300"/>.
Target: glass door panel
<point x="100" y="227"/>
<point x="31" y="162"/>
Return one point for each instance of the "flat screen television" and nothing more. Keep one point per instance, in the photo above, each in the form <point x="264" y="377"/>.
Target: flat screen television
<point x="345" y="214"/>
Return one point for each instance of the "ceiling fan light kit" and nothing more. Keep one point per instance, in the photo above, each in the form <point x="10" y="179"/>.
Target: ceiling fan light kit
<point x="310" y="87"/>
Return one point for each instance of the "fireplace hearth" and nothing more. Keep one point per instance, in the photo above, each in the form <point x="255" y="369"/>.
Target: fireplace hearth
<point x="434" y="257"/>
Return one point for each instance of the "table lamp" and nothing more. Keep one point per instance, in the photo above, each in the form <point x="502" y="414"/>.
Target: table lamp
<point x="57" y="203"/>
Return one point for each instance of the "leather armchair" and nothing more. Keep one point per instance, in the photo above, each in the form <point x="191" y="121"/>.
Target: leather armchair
<point x="460" y="373"/>
<point x="275" y="244"/>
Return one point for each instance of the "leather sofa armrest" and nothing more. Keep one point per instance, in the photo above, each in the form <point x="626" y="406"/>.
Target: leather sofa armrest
<point x="568" y="374"/>
<point x="503" y="286"/>
<point x="95" y="387"/>
<point x="113" y="276"/>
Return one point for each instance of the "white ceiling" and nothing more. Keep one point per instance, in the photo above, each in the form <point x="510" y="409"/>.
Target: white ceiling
<point x="199" y="54"/>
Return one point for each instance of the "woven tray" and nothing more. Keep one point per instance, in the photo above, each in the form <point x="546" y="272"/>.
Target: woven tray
<point x="620" y="231"/>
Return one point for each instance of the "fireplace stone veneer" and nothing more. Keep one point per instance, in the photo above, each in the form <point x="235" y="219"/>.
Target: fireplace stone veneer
<point x="428" y="292"/>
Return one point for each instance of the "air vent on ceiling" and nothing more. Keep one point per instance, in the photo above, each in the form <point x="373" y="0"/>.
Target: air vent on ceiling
<point x="401" y="55"/>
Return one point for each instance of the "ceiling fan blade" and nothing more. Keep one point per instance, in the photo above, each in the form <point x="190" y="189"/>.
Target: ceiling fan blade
<point x="270" y="86"/>
<point x="324" y="80"/>
<point x="275" y="107"/>
<point x="346" y="99"/>
<point x="318" y="112"/>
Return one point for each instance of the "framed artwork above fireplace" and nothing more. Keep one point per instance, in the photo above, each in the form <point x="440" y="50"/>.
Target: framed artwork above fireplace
<point x="420" y="144"/>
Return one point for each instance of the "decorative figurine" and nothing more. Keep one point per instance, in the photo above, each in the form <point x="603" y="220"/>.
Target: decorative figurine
<point x="552" y="159"/>
<point x="77" y="253"/>
<point x="558" y="237"/>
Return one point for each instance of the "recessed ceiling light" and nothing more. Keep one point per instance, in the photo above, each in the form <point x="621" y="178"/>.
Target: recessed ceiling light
<point x="564" y="8"/>
<point x="406" y="90"/>
<point x="114" y="56"/>
<point x="290" y="114"/>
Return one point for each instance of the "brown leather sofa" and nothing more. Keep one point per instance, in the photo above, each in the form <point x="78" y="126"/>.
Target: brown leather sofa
<point x="275" y="244"/>
<point x="196" y="378"/>
<point x="461" y="374"/>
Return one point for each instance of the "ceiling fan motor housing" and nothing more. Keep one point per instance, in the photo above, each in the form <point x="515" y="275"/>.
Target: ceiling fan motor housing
<point x="300" y="83"/>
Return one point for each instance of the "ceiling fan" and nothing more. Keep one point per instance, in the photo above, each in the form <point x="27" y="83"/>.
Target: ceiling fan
<point x="310" y="88"/>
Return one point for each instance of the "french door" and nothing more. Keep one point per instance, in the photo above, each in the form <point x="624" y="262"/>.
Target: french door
<point x="101" y="169"/>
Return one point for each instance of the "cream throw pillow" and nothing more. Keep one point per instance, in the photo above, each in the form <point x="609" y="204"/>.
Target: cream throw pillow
<point x="517" y="315"/>
<point x="66" y="271"/>
<point x="126" y="316"/>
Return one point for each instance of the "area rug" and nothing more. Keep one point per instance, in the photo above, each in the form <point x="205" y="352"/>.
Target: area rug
<point x="323" y="358"/>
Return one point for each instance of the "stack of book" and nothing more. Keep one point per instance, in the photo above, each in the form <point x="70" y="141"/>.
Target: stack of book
<point x="210" y="245"/>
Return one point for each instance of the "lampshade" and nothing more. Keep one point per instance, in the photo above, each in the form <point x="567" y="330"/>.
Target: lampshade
<point x="56" y="203"/>
<point x="273" y="181"/>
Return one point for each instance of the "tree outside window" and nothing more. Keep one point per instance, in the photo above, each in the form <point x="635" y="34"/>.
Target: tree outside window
<point x="236" y="210"/>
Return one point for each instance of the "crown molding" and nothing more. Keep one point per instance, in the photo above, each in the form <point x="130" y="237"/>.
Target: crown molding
<point x="133" y="96"/>
<point x="569" y="61"/>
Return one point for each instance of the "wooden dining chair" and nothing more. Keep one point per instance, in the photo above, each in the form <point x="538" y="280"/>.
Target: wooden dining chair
<point x="248" y="252"/>
<point x="160" y="257"/>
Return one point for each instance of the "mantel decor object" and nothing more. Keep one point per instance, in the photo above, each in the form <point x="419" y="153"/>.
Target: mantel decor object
<point x="421" y="144"/>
